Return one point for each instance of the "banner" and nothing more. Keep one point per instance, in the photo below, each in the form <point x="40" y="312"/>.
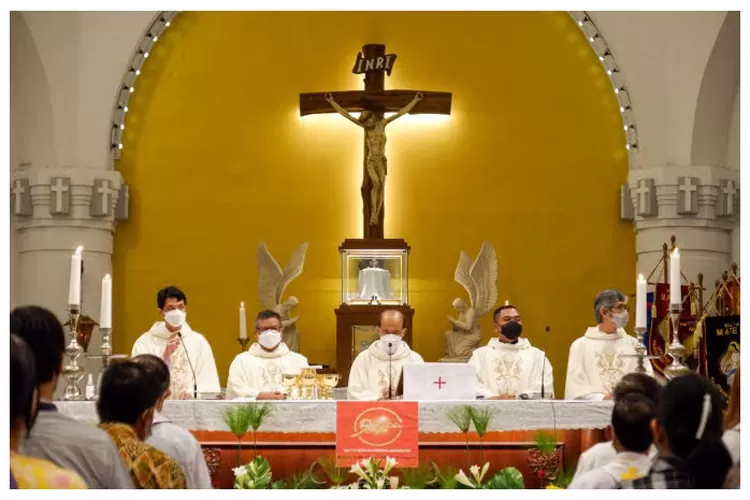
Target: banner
<point x="722" y="334"/>
<point x="659" y="328"/>
<point x="377" y="429"/>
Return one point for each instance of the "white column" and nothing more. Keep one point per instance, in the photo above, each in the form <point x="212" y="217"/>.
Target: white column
<point x="704" y="238"/>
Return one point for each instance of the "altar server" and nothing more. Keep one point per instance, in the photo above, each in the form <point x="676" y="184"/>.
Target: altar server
<point x="509" y="367"/>
<point x="631" y="423"/>
<point x="595" y="362"/>
<point x="186" y="352"/>
<point x="376" y="372"/>
<point x="257" y="373"/>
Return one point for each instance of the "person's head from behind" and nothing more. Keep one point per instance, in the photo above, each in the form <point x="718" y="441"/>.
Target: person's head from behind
<point x="268" y="329"/>
<point x="158" y="370"/>
<point x="43" y="333"/>
<point x="638" y="383"/>
<point x="391" y="324"/>
<point x="508" y="323"/>
<point x="172" y="305"/>
<point x="689" y="427"/>
<point x="611" y="310"/>
<point x="128" y="396"/>
<point x="24" y="395"/>
<point x="631" y="422"/>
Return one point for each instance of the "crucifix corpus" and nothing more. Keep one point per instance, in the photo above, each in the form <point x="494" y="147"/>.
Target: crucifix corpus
<point x="373" y="103"/>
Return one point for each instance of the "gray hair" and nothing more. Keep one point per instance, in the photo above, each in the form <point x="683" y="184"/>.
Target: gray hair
<point x="607" y="299"/>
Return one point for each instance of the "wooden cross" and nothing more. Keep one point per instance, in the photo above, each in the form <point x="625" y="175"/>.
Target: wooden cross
<point x="373" y="62"/>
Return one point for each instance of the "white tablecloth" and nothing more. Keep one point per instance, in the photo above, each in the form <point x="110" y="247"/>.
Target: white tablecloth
<point x="320" y="416"/>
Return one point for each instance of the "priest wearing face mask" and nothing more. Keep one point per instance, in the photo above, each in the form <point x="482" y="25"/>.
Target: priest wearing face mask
<point x="509" y="367"/>
<point x="375" y="373"/>
<point x="596" y="362"/>
<point x="185" y="351"/>
<point x="257" y="373"/>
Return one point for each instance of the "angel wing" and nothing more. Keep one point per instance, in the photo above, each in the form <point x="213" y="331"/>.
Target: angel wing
<point x="484" y="277"/>
<point x="293" y="269"/>
<point x="463" y="275"/>
<point x="270" y="276"/>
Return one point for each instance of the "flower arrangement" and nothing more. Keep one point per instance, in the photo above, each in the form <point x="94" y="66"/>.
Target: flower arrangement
<point x="505" y="479"/>
<point x="372" y="476"/>
<point x="544" y="459"/>
<point x="253" y="476"/>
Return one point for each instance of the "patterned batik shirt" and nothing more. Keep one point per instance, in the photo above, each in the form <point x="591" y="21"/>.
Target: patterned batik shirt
<point x="665" y="474"/>
<point x="149" y="468"/>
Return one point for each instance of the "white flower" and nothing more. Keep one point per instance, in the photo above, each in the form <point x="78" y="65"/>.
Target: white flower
<point x="390" y="462"/>
<point x="380" y="483"/>
<point x="239" y="471"/>
<point x="474" y="469"/>
<point x="356" y="469"/>
<point x="461" y="478"/>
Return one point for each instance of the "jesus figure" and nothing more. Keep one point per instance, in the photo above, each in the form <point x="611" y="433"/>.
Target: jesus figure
<point x="374" y="123"/>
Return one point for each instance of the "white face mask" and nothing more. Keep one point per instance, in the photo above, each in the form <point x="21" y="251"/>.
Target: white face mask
<point x="390" y="338"/>
<point x="269" y="339"/>
<point x="175" y="317"/>
<point x="620" y="319"/>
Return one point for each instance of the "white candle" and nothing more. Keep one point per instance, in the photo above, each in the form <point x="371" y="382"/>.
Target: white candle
<point x="105" y="315"/>
<point x="675" y="290"/>
<point x="243" y="324"/>
<point x="74" y="292"/>
<point x="640" y="302"/>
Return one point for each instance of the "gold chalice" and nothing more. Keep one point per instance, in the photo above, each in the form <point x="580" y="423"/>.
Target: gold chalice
<point x="289" y="380"/>
<point x="308" y="382"/>
<point x="330" y="380"/>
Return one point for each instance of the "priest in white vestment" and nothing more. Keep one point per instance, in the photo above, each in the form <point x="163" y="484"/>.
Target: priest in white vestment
<point x="596" y="363"/>
<point x="509" y="367"/>
<point x="186" y="352"/>
<point x="257" y="373"/>
<point x="631" y="423"/>
<point x="376" y="372"/>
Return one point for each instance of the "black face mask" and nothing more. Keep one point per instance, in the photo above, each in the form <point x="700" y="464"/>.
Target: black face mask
<point x="512" y="330"/>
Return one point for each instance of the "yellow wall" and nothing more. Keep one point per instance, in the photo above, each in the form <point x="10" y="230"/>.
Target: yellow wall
<point x="217" y="159"/>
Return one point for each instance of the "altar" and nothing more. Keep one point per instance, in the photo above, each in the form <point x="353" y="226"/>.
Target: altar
<point x="297" y="433"/>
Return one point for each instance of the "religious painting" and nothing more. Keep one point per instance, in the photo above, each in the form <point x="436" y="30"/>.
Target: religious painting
<point x="362" y="337"/>
<point x="722" y="337"/>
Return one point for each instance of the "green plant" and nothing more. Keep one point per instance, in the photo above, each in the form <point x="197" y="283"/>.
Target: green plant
<point x="256" y="415"/>
<point x="372" y="477"/>
<point x="509" y="478"/>
<point x="418" y="478"/>
<point x="336" y="475"/>
<point x="445" y="480"/>
<point x="481" y="418"/>
<point x="253" y="476"/>
<point x="303" y="480"/>
<point x="545" y="442"/>
<point x="477" y="475"/>
<point x="461" y="417"/>
<point x="565" y="477"/>
<point x="237" y="419"/>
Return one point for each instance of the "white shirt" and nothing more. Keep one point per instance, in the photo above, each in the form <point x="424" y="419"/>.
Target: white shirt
<point x="369" y="376"/>
<point x="512" y="369"/>
<point x="202" y="358"/>
<point x="731" y="440"/>
<point x="258" y="370"/>
<point x="600" y="455"/>
<point x="180" y="444"/>
<point x="596" y="365"/>
<point x="626" y="465"/>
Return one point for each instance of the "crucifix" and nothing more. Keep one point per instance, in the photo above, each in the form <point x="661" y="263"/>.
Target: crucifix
<point x="373" y="103"/>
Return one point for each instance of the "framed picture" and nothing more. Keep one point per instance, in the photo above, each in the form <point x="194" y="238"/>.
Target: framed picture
<point x="362" y="337"/>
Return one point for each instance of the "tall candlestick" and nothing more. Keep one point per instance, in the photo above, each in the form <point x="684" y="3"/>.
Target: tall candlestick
<point x="105" y="314"/>
<point x="74" y="292"/>
<point x="675" y="289"/>
<point x="640" y="304"/>
<point x="243" y="323"/>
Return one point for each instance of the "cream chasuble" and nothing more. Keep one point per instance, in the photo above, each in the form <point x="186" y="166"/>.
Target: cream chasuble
<point x="512" y="369"/>
<point x="368" y="378"/>
<point x="258" y="370"/>
<point x="155" y="340"/>
<point x="595" y="365"/>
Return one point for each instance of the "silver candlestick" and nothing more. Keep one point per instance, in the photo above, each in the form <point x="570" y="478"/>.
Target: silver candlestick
<point x="676" y="350"/>
<point x="72" y="371"/>
<point x="106" y="346"/>
<point x="641" y="351"/>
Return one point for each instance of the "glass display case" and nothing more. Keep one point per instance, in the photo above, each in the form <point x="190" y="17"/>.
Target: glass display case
<point x="374" y="272"/>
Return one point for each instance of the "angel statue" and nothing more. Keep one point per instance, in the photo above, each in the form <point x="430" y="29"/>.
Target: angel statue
<point x="272" y="282"/>
<point x="479" y="278"/>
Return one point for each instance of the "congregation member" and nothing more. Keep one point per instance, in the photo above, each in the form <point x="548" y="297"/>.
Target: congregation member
<point x="509" y="367"/>
<point x="126" y="405"/>
<point x="687" y="431"/>
<point x="731" y="435"/>
<point x="187" y="353"/>
<point x="69" y="443"/>
<point x="257" y="373"/>
<point x="596" y="362"/>
<point x="29" y="472"/>
<point x="631" y="424"/>
<point x="603" y="453"/>
<point x="170" y="438"/>
<point x="376" y="372"/>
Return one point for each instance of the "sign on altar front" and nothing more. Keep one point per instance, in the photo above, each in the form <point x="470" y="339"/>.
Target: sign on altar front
<point x="440" y="382"/>
<point x="377" y="429"/>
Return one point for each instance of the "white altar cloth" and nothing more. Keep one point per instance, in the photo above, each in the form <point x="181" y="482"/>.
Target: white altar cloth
<point x="320" y="416"/>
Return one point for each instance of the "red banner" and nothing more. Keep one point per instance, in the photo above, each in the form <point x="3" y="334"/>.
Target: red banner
<point x="377" y="429"/>
<point x="661" y="328"/>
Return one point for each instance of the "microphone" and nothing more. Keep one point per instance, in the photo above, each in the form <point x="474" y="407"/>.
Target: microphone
<point x="195" y="380"/>
<point x="390" y="370"/>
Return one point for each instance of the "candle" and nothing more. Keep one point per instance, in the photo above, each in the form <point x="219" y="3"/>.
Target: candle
<point x="105" y="314"/>
<point x="640" y="304"/>
<point x="243" y="325"/>
<point x="74" y="292"/>
<point x="675" y="290"/>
